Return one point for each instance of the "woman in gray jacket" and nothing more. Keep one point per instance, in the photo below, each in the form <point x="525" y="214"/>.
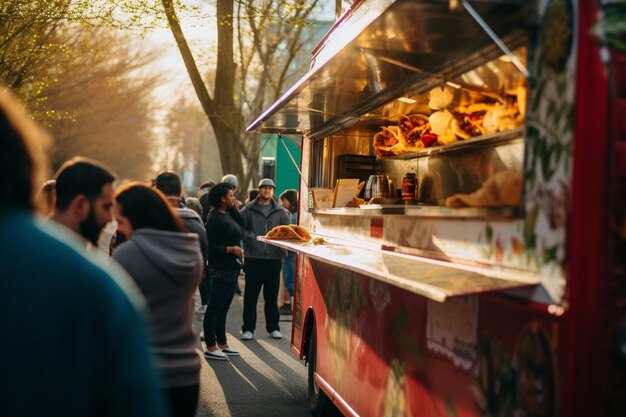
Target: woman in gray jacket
<point x="167" y="265"/>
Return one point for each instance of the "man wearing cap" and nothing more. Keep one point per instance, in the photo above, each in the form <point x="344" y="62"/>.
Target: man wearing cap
<point x="262" y="262"/>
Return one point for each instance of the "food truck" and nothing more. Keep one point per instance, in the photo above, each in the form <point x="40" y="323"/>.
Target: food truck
<point x="462" y="177"/>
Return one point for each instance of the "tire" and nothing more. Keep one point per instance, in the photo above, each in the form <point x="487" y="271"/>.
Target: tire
<point x="318" y="400"/>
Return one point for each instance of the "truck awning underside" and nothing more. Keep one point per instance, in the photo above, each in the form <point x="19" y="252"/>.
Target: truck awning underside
<point x="384" y="49"/>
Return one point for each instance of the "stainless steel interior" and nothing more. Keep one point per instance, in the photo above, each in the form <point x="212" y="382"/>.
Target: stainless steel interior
<point x="411" y="45"/>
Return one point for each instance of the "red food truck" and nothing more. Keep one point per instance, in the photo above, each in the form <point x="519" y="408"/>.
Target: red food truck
<point x="463" y="168"/>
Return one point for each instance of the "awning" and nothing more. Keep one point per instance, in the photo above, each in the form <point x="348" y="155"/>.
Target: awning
<point x="385" y="48"/>
<point x="433" y="279"/>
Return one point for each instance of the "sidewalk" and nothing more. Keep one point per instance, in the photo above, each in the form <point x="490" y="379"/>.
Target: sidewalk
<point x="267" y="380"/>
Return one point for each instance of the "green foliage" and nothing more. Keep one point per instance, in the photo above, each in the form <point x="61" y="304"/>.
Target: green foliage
<point x="611" y="27"/>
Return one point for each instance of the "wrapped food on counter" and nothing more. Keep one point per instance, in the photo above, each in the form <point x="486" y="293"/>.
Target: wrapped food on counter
<point x="288" y="232"/>
<point x="502" y="189"/>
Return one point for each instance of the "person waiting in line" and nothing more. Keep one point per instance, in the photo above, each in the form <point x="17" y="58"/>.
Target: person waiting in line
<point x="170" y="184"/>
<point x="90" y="354"/>
<point x="289" y="200"/>
<point x="47" y="197"/>
<point x="252" y="194"/>
<point x="203" y="196"/>
<point x="167" y="266"/>
<point x="84" y="197"/>
<point x="225" y="258"/>
<point x="192" y="203"/>
<point x="263" y="262"/>
<point x="234" y="182"/>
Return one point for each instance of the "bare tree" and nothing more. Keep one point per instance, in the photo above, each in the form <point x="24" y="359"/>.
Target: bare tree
<point x="102" y="94"/>
<point x="269" y="38"/>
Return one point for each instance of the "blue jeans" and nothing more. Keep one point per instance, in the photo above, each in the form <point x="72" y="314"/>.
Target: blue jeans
<point x="289" y="272"/>
<point x="223" y="283"/>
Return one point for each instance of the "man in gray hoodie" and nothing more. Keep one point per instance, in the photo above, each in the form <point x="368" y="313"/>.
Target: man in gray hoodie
<point x="262" y="262"/>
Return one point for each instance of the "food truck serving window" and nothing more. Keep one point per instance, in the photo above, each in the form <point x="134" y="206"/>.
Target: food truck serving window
<point x="458" y="144"/>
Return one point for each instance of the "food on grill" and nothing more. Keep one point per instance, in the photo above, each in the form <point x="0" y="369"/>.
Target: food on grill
<point x="287" y="232"/>
<point x="502" y="189"/>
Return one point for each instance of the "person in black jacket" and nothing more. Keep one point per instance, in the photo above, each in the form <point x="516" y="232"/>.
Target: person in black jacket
<point x="225" y="257"/>
<point x="263" y="261"/>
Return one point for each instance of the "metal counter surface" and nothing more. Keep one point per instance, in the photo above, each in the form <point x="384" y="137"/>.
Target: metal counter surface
<point x="436" y="280"/>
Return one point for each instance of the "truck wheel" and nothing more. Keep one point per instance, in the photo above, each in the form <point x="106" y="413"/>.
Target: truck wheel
<point x="318" y="400"/>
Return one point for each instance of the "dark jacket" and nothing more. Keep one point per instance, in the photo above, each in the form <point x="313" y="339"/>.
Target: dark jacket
<point x="223" y="231"/>
<point x="195" y="225"/>
<point x="258" y="224"/>
<point x="167" y="267"/>
<point x="89" y="354"/>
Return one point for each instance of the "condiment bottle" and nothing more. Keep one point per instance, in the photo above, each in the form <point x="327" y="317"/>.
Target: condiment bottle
<point x="409" y="185"/>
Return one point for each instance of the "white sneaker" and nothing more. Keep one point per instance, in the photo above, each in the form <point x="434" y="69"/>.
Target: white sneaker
<point x="247" y="335"/>
<point x="218" y="355"/>
<point x="230" y="351"/>
<point x="276" y="334"/>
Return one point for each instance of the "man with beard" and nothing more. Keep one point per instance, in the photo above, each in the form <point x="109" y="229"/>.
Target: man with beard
<point x="84" y="197"/>
<point x="90" y="353"/>
<point x="263" y="262"/>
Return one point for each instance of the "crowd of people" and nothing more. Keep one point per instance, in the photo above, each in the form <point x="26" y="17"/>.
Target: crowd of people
<point x="110" y="274"/>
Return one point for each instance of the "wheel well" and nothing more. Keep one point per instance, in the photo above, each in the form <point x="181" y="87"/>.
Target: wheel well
<point x="309" y="326"/>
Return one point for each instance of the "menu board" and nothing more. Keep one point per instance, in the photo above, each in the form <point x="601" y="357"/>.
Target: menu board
<point x="345" y="190"/>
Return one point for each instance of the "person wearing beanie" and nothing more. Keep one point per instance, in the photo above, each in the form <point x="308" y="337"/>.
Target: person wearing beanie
<point x="234" y="183"/>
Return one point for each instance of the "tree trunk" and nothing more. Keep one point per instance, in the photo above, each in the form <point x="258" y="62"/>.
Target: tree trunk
<point x="221" y="110"/>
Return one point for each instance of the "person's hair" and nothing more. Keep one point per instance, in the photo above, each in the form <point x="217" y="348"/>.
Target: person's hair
<point x="252" y="194"/>
<point x="217" y="192"/>
<point x="80" y="176"/>
<point x="22" y="163"/>
<point x="169" y="183"/>
<point x="292" y="197"/>
<point x="194" y="204"/>
<point x="147" y="207"/>
<point x="47" y="197"/>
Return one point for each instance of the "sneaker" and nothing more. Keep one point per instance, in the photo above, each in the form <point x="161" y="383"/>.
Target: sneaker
<point x="276" y="334"/>
<point x="217" y="355"/>
<point x="247" y="335"/>
<point x="230" y="351"/>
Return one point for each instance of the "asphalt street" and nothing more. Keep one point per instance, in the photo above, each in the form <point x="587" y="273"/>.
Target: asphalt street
<point x="267" y="380"/>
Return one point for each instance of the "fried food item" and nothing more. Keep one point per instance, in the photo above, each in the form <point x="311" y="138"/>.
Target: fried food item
<point x="301" y="231"/>
<point x="502" y="189"/>
<point x="282" y="232"/>
<point x="318" y="240"/>
<point x="468" y="121"/>
<point x="357" y="201"/>
<point x="411" y="129"/>
<point x="387" y="141"/>
<point x="288" y="232"/>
